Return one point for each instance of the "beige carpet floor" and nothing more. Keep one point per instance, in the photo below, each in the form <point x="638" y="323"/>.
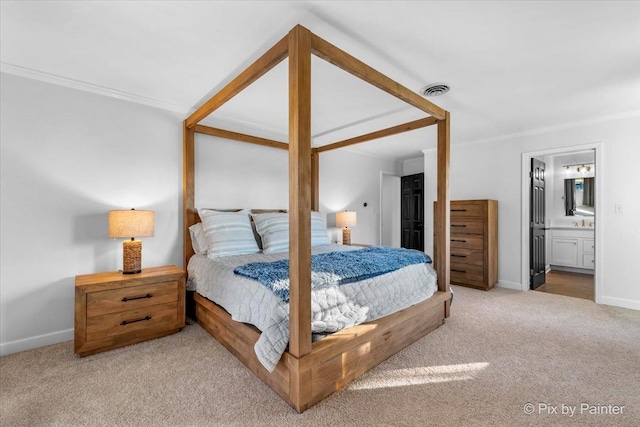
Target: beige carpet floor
<point x="498" y="352"/>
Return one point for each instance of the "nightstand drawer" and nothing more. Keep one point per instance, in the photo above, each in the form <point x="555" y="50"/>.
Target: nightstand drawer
<point x="117" y="300"/>
<point x="467" y="226"/>
<point x="467" y="241"/>
<point x="128" y="321"/>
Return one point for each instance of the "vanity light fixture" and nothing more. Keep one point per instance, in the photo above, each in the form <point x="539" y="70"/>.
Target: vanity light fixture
<point x="581" y="168"/>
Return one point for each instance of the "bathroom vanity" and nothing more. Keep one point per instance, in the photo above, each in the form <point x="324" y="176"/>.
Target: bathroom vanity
<point x="571" y="245"/>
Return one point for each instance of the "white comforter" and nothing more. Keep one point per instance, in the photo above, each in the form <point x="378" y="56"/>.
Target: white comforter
<point x="333" y="308"/>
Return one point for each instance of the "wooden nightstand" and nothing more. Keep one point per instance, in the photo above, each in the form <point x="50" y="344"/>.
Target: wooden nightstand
<point x="114" y="309"/>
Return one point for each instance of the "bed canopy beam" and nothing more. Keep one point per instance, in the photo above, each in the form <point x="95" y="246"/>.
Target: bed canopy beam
<point x="394" y="130"/>
<point x="266" y="62"/>
<point x="237" y="136"/>
<point x="352" y="65"/>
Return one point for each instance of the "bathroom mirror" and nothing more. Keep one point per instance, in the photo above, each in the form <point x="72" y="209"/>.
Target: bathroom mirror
<point x="579" y="196"/>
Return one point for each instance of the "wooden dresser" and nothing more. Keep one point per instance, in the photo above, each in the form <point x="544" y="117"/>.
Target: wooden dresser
<point x="474" y="243"/>
<point x="114" y="309"/>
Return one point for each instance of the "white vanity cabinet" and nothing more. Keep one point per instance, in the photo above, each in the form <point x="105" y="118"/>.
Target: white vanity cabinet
<point x="572" y="247"/>
<point x="588" y="251"/>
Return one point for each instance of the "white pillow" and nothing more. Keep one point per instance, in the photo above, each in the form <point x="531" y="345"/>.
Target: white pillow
<point x="198" y="239"/>
<point x="319" y="235"/>
<point x="273" y="227"/>
<point x="228" y="233"/>
<point x="274" y="230"/>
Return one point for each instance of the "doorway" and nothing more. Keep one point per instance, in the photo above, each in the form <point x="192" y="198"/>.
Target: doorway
<point x="412" y="211"/>
<point x="566" y="258"/>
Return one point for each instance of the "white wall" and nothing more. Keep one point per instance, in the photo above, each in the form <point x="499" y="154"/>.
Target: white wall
<point x="494" y="170"/>
<point x="232" y="174"/>
<point x="67" y="158"/>
<point x="348" y="181"/>
<point x="413" y="166"/>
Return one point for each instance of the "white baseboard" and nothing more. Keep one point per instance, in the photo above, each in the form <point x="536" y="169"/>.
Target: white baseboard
<point x="509" y="285"/>
<point x="547" y="268"/>
<point x="620" y="302"/>
<point x="35" y="342"/>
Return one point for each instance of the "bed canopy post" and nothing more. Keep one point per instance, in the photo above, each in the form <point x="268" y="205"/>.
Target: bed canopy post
<point x="315" y="179"/>
<point x="307" y="373"/>
<point x="188" y="189"/>
<point x="442" y="221"/>
<point x="300" y="192"/>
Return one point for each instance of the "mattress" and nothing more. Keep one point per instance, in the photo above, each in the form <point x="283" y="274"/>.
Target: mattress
<point x="333" y="308"/>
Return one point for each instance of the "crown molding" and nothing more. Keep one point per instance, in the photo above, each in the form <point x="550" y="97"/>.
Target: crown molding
<point x="553" y="128"/>
<point x="89" y="87"/>
<point x="264" y="131"/>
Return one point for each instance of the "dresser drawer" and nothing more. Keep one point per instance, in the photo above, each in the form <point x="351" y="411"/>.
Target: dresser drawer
<point x="123" y="299"/>
<point x="467" y="274"/>
<point x="467" y="256"/>
<point x="467" y="241"/>
<point x="467" y="225"/>
<point x="462" y="210"/>
<point x="125" y="322"/>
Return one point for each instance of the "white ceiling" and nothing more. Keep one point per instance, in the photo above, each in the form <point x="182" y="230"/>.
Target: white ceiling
<point x="513" y="66"/>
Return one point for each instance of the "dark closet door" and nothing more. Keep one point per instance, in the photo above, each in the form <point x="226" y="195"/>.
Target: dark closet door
<point x="412" y="211"/>
<point x="537" y="246"/>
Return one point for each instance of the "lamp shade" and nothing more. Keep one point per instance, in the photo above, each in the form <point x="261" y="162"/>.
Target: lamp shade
<point x="131" y="223"/>
<point x="346" y="219"/>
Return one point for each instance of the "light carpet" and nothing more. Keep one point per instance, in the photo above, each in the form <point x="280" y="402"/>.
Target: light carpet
<point x="499" y="351"/>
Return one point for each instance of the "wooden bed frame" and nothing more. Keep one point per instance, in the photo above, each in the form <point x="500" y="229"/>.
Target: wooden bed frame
<point x="308" y="371"/>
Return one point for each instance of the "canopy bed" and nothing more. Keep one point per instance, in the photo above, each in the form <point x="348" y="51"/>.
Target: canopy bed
<point x="309" y="371"/>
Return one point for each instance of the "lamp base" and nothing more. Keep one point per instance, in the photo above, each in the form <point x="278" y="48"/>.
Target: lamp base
<point x="346" y="236"/>
<point x="131" y="257"/>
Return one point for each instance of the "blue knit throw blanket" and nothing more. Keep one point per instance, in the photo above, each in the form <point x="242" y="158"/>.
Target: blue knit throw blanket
<point x="334" y="268"/>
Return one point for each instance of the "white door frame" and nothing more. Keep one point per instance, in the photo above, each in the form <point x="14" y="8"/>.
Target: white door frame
<point x="599" y="226"/>
<point x="382" y="174"/>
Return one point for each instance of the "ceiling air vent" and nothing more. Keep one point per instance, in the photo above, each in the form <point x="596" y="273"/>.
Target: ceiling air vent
<point x="435" y="89"/>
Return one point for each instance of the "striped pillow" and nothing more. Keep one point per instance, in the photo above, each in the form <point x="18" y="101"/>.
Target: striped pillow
<point x="274" y="230"/>
<point x="319" y="234"/>
<point x="228" y="233"/>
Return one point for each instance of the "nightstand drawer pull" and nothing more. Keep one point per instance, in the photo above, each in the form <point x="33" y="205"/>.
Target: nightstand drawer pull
<point x="459" y="256"/>
<point x="458" y="225"/>
<point x="125" y="299"/>
<point x="458" y="240"/>
<point x="459" y="271"/>
<point x="458" y="210"/>
<point x="126" y="322"/>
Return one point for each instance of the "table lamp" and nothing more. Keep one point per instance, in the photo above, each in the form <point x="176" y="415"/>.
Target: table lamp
<point x="346" y="219"/>
<point x="131" y="224"/>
